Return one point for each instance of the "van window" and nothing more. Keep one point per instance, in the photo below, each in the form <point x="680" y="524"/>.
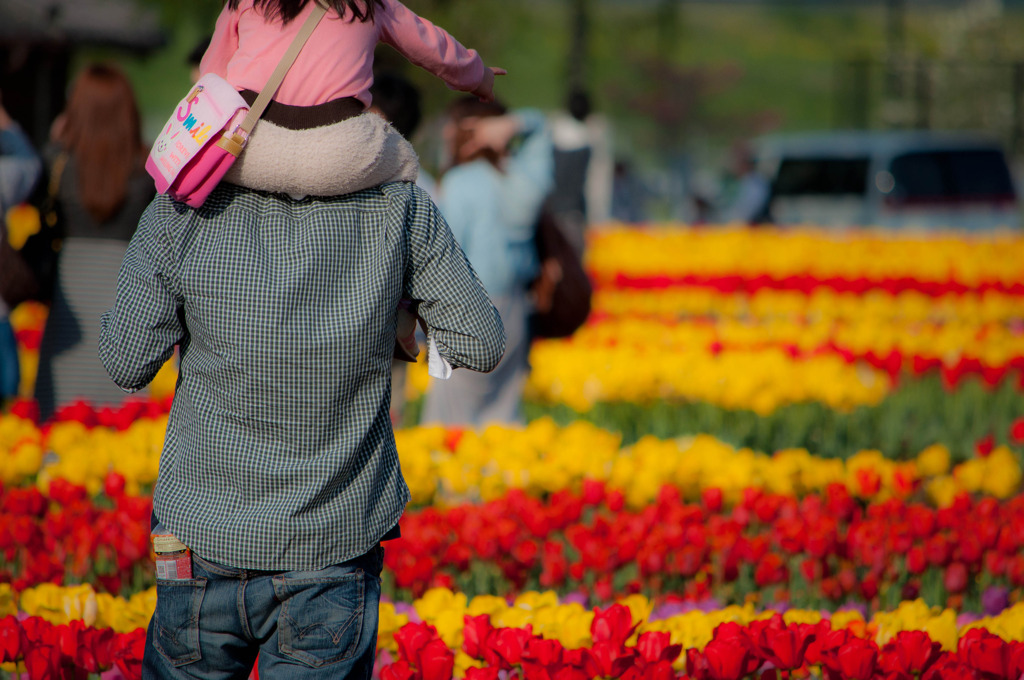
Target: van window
<point x="960" y="175"/>
<point x="821" y="176"/>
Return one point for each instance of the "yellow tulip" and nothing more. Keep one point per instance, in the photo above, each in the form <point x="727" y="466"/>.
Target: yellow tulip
<point x="388" y="623"/>
<point x="8" y="603"/>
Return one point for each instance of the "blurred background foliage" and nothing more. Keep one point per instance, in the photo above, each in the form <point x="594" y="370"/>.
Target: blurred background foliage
<point x="675" y="77"/>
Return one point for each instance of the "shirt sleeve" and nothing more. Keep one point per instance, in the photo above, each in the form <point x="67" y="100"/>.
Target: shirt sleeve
<point x="430" y="47"/>
<point x="461" y="321"/>
<point x="138" y="335"/>
<point x="223" y="44"/>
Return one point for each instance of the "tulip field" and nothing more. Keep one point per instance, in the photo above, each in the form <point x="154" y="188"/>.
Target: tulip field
<point x="768" y="454"/>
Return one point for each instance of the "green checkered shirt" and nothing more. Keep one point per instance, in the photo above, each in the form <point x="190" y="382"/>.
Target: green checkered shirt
<point x="279" y="451"/>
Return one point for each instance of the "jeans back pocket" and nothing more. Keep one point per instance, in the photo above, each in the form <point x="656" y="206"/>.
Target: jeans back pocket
<point x="321" y="618"/>
<point x="177" y="619"/>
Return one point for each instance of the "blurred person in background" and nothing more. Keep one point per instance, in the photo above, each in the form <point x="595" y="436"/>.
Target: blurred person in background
<point x="97" y="158"/>
<point x="629" y="194"/>
<point x="583" y="169"/>
<point x="492" y="195"/>
<point x="748" y="202"/>
<point x="20" y="168"/>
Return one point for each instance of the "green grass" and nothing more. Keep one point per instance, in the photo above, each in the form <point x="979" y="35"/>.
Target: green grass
<point x="916" y="415"/>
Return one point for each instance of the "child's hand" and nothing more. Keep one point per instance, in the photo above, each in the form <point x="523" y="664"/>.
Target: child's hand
<point x="485" y="90"/>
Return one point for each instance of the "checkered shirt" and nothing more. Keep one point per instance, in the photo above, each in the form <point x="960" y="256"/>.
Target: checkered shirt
<point x="279" y="452"/>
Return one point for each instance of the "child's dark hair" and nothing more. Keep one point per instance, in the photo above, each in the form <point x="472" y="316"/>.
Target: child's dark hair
<point x="465" y="108"/>
<point x="398" y="100"/>
<point x="289" y="9"/>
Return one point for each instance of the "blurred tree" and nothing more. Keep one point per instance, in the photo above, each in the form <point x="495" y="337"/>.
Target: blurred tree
<point x="200" y="14"/>
<point x="578" y="45"/>
<point x="672" y="96"/>
<point x="669" y="20"/>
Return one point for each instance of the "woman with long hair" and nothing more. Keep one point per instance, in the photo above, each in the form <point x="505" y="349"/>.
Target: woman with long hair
<point x="101" y="189"/>
<point x="501" y="172"/>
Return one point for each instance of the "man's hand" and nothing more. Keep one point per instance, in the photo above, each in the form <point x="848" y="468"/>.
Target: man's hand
<point x="485" y="90"/>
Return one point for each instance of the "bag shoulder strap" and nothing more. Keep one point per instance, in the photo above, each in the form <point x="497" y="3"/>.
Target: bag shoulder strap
<point x="260" y="105"/>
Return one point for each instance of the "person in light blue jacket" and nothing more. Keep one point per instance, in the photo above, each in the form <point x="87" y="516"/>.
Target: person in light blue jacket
<point x="501" y="173"/>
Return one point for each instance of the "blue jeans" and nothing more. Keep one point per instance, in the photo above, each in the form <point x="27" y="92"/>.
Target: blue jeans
<point x="10" y="371"/>
<point x="303" y="624"/>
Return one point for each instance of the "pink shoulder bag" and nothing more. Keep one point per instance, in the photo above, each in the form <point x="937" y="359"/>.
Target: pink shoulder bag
<point x="210" y="127"/>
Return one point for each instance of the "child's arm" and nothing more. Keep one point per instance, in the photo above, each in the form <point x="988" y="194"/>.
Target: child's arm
<point x="435" y="50"/>
<point x="223" y="44"/>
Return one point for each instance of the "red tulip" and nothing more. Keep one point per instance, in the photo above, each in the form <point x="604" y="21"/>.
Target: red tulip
<point x="485" y="673"/>
<point x="43" y="662"/>
<point x="828" y="645"/>
<point x="1017" y="431"/>
<point x="711" y="499"/>
<point x="10" y="639"/>
<point x="910" y="652"/>
<point x="453" y="437"/>
<point x="25" y="408"/>
<point x="593" y="492"/>
<point x="541" y="659"/>
<point x="95" y="649"/>
<point x="507" y="646"/>
<point x="770" y="570"/>
<point x="661" y="670"/>
<point x="948" y="667"/>
<point x="857" y="658"/>
<point x="783" y="646"/>
<point x="475" y="633"/>
<point x="916" y="560"/>
<point x="955" y="578"/>
<point x="869" y="586"/>
<point x="604" y="587"/>
<point x="574" y="657"/>
<point x="985" y="652"/>
<point x="729" y="654"/>
<point x="127" y="653"/>
<point x="697" y="665"/>
<point x="436" y="661"/>
<point x="400" y="670"/>
<point x="606" y="659"/>
<point x="1014" y="659"/>
<point x="68" y="638"/>
<point x="113" y="484"/>
<point x="570" y="673"/>
<point x="614" y="624"/>
<point x="655" y="647"/>
<point x="411" y="638"/>
<point x="542" y="652"/>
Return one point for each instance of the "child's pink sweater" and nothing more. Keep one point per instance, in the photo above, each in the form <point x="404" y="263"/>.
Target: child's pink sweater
<point x="337" y="61"/>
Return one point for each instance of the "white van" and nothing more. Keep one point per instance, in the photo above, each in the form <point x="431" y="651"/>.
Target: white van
<point x="888" y="179"/>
